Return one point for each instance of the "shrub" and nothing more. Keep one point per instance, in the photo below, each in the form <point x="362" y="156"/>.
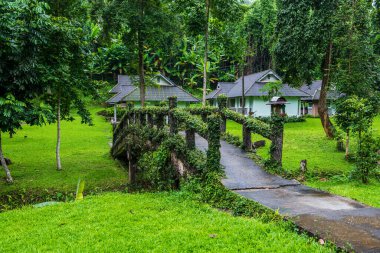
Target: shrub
<point x="232" y="139"/>
<point x="367" y="157"/>
<point x="108" y="113"/>
<point x="155" y="171"/>
<point x="288" y="119"/>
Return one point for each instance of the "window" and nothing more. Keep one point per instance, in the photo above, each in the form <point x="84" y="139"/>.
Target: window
<point x="232" y="102"/>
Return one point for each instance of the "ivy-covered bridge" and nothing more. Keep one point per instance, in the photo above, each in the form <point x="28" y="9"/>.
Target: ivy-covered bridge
<point x="194" y="138"/>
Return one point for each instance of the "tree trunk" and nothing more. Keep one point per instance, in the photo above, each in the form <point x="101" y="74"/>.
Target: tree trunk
<point x="58" y="147"/>
<point x="322" y="105"/>
<point x="347" y="144"/>
<point x="206" y="53"/>
<point x="242" y="93"/>
<point x="141" y="75"/>
<point x="4" y="164"/>
<point x="141" y="55"/>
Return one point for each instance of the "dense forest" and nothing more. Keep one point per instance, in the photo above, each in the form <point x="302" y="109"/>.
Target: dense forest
<point x="54" y="53"/>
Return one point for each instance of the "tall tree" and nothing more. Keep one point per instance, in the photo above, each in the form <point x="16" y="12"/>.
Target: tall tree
<point x="141" y="23"/>
<point x="259" y="25"/>
<point x="205" y="60"/>
<point x="66" y="58"/>
<point x="354" y="59"/>
<point x="305" y="46"/>
<point x="223" y="10"/>
<point x="23" y="35"/>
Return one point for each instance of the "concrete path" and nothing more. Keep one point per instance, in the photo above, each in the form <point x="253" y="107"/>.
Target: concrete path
<point x="346" y="222"/>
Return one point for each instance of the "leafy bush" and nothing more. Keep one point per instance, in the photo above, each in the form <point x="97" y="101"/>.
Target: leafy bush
<point x="367" y="157"/>
<point x="288" y="119"/>
<point x="155" y="171"/>
<point x="108" y="113"/>
<point x="232" y="139"/>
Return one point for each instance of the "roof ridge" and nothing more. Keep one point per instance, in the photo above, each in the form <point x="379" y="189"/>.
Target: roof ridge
<point x="255" y="81"/>
<point x="188" y="93"/>
<point x="129" y="93"/>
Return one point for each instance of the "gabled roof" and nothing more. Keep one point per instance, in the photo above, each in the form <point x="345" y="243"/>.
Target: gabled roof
<point x="223" y="88"/>
<point x="249" y="80"/>
<point x="122" y="82"/>
<point x="312" y="88"/>
<point x="314" y="91"/>
<point x="120" y="95"/>
<point x="286" y="91"/>
<point x="253" y="85"/>
<point x="161" y="93"/>
<point x="126" y="91"/>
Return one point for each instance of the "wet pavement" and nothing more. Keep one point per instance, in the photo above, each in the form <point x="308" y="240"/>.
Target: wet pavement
<point x="346" y="222"/>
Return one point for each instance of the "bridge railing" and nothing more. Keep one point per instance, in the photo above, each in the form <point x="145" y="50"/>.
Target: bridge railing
<point x="273" y="130"/>
<point x="208" y="122"/>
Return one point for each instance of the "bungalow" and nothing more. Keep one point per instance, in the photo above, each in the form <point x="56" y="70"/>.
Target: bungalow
<point x="160" y="88"/>
<point x="310" y="103"/>
<point x="257" y="102"/>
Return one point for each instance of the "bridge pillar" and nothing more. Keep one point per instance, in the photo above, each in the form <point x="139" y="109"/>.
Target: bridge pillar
<point x="142" y="118"/>
<point x="277" y="138"/>
<point x="172" y="121"/>
<point x="247" y="140"/>
<point x="150" y="120"/>
<point x="190" y="138"/>
<point x="222" y="104"/>
<point x="213" y="151"/>
<point x="159" y="121"/>
<point x="132" y="167"/>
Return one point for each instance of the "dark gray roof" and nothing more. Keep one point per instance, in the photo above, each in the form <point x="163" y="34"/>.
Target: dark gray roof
<point x="256" y="91"/>
<point x="124" y="91"/>
<point x="122" y="81"/>
<point x="161" y="93"/>
<point x="223" y="88"/>
<point x="314" y="91"/>
<point x="312" y="88"/>
<point x="252" y="87"/>
<point x="332" y="95"/>
<point x="249" y="80"/>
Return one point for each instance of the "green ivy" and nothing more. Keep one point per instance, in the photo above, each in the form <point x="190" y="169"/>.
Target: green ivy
<point x="213" y="151"/>
<point x="191" y="122"/>
<point x="207" y="110"/>
<point x="253" y="124"/>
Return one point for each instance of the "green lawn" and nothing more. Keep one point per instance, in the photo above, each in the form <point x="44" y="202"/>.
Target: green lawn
<point x="85" y="154"/>
<point x="306" y="140"/>
<point x="368" y="194"/>
<point x="160" y="222"/>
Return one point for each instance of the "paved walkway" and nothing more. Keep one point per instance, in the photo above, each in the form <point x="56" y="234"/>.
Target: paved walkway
<point x="345" y="222"/>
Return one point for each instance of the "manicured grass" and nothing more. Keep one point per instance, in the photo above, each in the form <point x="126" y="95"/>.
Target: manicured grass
<point x="85" y="154"/>
<point x="366" y="193"/>
<point x="376" y="126"/>
<point x="161" y="222"/>
<point x="306" y="140"/>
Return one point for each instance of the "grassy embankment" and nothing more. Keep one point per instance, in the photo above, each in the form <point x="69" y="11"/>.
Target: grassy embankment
<point x="159" y="222"/>
<point x="306" y="140"/>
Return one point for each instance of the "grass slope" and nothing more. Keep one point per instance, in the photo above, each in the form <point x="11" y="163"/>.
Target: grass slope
<point x="306" y="140"/>
<point x="161" y="222"/>
<point x="84" y="153"/>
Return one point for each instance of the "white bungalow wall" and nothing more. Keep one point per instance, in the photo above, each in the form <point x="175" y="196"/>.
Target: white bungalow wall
<point x="259" y="107"/>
